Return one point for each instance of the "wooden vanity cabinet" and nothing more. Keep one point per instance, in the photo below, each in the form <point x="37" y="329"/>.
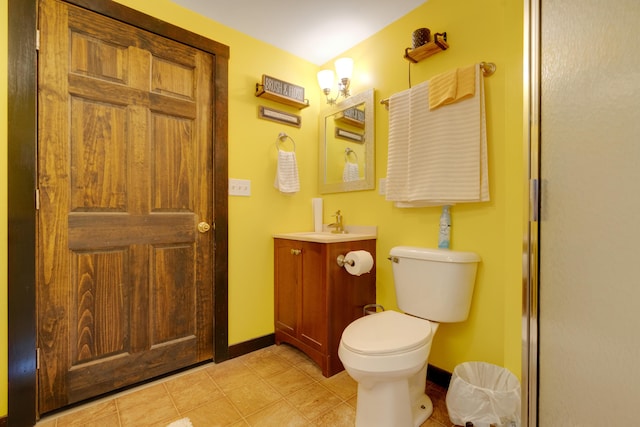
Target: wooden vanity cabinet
<point x="315" y="299"/>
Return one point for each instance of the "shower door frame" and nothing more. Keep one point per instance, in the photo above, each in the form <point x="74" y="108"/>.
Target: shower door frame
<point x="530" y="273"/>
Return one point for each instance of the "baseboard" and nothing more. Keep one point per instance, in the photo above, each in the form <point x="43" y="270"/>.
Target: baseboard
<point x="246" y="347"/>
<point x="438" y="376"/>
<point x="4" y="422"/>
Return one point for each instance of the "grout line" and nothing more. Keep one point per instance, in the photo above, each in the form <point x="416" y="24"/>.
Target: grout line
<point x="173" y="401"/>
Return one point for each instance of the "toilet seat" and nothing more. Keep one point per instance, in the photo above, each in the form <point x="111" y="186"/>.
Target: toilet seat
<point x="386" y="333"/>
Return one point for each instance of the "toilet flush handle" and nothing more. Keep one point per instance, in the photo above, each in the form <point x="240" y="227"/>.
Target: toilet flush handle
<point x="393" y="259"/>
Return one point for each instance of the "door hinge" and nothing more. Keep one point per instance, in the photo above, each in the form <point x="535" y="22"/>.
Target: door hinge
<point x="37" y="358"/>
<point x="37" y="199"/>
<point x="37" y="39"/>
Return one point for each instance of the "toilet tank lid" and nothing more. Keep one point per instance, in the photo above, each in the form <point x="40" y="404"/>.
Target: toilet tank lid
<point x="434" y="254"/>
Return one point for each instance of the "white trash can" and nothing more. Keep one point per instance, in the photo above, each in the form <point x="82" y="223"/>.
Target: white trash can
<point x="483" y="394"/>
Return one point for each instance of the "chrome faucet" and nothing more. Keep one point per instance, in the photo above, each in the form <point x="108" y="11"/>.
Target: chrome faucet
<point x="339" y="227"/>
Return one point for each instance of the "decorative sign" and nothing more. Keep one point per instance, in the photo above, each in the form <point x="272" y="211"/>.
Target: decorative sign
<point x="279" y="116"/>
<point x="352" y="116"/>
<point x="348" y="135"/>
<point x="281" y="91"/>
<point x="354" y="113"/>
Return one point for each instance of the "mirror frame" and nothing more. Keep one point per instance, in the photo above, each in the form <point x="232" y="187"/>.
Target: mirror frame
<point x="368" y="183"/>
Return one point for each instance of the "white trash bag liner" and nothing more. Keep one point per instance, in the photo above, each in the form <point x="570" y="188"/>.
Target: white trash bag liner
<point x="484" y="394"/>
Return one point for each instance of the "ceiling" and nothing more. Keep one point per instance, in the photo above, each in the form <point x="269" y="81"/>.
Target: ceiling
<point x="313" y="30"/>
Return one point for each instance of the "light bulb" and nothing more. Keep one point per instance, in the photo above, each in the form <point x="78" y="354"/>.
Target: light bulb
<point x="325" y="79"/>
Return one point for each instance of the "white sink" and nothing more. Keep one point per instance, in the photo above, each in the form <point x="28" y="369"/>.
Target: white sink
<point x="353" y="234"/>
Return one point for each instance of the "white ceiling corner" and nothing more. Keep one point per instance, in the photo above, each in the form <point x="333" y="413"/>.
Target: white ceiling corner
<point x="315" y="31"/>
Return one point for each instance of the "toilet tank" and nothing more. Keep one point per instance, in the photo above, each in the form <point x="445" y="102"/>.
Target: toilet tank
<point x="434" y="284"/>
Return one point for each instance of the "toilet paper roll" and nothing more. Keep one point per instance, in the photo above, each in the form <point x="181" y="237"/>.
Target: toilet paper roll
<point x="362" y="262"/>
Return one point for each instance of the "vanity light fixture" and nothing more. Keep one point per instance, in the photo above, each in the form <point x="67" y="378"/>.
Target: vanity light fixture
<point x="344" y="70"/>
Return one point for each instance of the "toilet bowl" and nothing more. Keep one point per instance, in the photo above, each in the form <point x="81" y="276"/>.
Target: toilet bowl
<point x="387" y="353"/>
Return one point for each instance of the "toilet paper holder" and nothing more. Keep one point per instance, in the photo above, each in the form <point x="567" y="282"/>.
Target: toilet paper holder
<point x="341" y="260"/>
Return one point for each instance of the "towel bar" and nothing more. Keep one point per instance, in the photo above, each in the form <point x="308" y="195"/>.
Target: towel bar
<point x="488" y="68"/>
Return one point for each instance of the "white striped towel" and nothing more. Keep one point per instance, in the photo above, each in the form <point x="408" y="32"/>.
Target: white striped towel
<point x="287" y="180"/>
<point x="446" y="152"/>
<point x="398" y="150"/>
<point x="351" y="172"/>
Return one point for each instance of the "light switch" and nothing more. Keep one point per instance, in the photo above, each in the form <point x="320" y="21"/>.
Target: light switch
<point x="239" y="187"/>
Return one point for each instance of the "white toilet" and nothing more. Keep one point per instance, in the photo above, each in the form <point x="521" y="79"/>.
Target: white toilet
<point x="387" y="352"/>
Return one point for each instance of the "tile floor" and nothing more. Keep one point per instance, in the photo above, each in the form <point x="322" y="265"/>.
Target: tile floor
<point x="275" y="386"/>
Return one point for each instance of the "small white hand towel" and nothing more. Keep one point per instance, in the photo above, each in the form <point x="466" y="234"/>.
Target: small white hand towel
<point x="287" y="180"/>
<point x="351" y="172"/>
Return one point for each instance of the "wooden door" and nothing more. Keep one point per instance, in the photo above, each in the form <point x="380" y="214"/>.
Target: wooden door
<point x="124" y="277"/>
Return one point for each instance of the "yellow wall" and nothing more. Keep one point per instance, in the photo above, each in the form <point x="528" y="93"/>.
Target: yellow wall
<point x="477" y="31"/>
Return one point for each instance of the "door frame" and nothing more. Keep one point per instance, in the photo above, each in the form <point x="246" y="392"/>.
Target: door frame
<point x="22" y="136"/>
<point x="531" y="248"/>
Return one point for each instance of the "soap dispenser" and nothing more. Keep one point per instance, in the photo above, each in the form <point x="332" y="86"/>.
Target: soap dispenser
<point x="445" y="228"/>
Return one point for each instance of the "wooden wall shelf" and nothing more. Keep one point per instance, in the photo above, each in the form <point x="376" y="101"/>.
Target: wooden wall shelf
<point x="279" y="98"/>
<point x="438" y="44"/>
<point x="282" y="92"/>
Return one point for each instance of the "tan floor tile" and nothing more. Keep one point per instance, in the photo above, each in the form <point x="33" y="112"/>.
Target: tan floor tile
<point x="281" y="413"/>
<point x="438" y="395"/>
<point x="253" y="397"/>
<point x="231" y="374"/>
<point x="89" y="414"/>
<point x="353" y="402"/>
<point x="310" y="398"/>
<point x="192" y="390"/>
<point x="310" y="368"/>
<point x="147" y="407"/>
<point x="47" y="422"/>
<point x="342" y="385"/>
<point x="108" y="421"/>
<point x="289" y="381"/>
<point x="432" y="423"/>
<point x="267" y="364"/>
<point x="313" y="400"/>
<point x="290" y="354"/>
<point x="341" y="416"/>
<point x="213" y="414"/>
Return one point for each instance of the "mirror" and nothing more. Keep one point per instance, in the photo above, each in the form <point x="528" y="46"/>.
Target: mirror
<point x="347" y="144"/>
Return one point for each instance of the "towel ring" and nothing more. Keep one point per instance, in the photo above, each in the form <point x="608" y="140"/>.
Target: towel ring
<point x="348" y="151"/>
<point x="282" y="137"/>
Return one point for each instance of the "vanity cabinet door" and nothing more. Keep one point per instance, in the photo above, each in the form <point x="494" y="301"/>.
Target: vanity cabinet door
<point x="288" y="276"/>
<point x="313" y="313"/>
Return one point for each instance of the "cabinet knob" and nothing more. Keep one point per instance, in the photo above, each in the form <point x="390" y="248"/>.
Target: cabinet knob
<point x="296" y="251"/>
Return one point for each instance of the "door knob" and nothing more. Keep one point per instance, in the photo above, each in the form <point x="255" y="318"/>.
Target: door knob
<point x="203" y="227"/>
